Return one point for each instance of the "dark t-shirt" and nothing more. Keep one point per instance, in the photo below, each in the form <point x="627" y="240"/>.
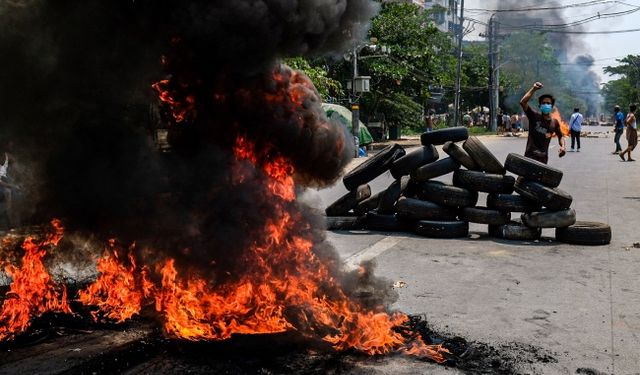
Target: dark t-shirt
<point x="540" y="132"/>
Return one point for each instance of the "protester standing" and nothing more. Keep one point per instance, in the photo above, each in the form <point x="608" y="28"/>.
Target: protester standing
<point x="632" y="133"/>
<point x="575" y="127"/>
<point x="618" y="117"/>
<point x="542" y="127"/>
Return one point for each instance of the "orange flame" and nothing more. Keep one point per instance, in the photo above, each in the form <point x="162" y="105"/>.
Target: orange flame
<point x="555" y="114"/>
<point x="179" y="108"/>
<point x="119" y="291"/>
<point x="32" y="291"/>
<point x="285" y="286"/>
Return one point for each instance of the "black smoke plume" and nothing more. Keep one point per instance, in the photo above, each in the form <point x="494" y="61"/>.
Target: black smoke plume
<point x="78" y="107"/>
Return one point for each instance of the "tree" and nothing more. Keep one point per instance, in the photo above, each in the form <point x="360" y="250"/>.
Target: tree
<point x="474" y="82"/>
<point x="326" y="86"/>
<point x="626" y="89"/>
<point x="421" y="56"/>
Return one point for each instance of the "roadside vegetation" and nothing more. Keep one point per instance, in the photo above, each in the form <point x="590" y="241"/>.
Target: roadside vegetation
<point x="418" y="74"/>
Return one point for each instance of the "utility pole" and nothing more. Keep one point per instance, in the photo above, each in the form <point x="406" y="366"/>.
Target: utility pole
<point x="456" y="106"/>
<point x="492" y="107"/>
<point x="494" y="83"/>
<point x="355" y="105"/>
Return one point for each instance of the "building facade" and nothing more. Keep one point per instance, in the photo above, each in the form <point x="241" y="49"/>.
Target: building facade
<point x="445" y="13"/>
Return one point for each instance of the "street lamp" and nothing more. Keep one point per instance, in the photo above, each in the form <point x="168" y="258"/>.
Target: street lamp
<point x="360" y="84"/>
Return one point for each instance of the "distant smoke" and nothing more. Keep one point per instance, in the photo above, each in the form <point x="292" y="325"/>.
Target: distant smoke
<point x="75" y="91"/>
<point x="584" y="83"/>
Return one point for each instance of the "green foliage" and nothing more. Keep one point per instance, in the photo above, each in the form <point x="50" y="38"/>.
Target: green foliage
<point x="625" y="90"/>
<point x="474" y="82"/>
<point x="326" y="86"/>
<point x="401" y="110"/>
<point x="420" y="56"/>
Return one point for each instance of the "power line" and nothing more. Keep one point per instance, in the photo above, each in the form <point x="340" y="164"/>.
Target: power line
<point x="530" y="9"/>
<point x="590" y="32"/>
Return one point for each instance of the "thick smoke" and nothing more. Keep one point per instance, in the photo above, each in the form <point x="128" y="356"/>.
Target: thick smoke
<point x="570" y="49"/>
<point x="78" y="108"/>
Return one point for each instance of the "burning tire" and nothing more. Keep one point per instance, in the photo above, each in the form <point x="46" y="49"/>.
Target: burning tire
<point x="348" y="201"/>
<point x="383" y="223"/>
<point x="550" y="219"/>
<point x="515" y="231"/>
<point x="511" y="203"/>
<point x="414" y="159"/>
<point x="553" y="198"/>
<point x="388" y="199"/>
<point x="458" y="154"/>
<point x="368" y="204"/>
<point x="483" y="215"/>
<point x="482" y="156"/>
<point x="447" y="195"/>
<point x="435" y="169"/>
<point x="486" y="182"/>
<point x="585" y="233"/>
<point x="344" y="222"/>
<point x="373" y="167"/>
<point x="441" y="229"/>
<point x="441" y="136"/>
<point x="533" y="170"/>
<point x="415" y="209"/>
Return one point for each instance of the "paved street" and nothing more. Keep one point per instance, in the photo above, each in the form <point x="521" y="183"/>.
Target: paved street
<point x="581" y="304"/>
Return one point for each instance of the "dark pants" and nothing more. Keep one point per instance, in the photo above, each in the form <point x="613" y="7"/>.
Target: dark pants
<point x="616" y="139"/>
<point x="575" y="138"/>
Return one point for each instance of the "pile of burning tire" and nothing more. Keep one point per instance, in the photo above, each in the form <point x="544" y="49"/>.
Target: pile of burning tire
<point x="416" y="202"/>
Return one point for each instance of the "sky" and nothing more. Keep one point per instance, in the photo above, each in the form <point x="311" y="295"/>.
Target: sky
<point x="605" y="48"/>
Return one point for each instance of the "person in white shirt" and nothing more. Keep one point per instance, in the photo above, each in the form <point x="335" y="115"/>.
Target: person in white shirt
<point x="575" y="127"/>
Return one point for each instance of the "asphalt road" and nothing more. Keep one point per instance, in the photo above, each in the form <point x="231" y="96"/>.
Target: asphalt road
<point x="582" y="304"/>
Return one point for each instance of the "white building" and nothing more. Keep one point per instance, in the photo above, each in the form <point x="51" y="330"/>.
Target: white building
<point x="446" y="12"/>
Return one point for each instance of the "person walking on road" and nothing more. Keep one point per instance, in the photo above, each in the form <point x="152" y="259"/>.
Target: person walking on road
<point x="541" y="126"/>
<point x="618" y="117"/>
<point x="632" y="133"/>
<point x="428" y="120"/>
<point x="575" y="127"/>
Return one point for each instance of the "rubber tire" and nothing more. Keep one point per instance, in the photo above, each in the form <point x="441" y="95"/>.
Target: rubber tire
<point x="533" y="170"/>
<point x="515" y="231"/>
<point x="486" y="182"/>
<point x="435" y="169"/>
<point x="585" y="233"/>
<point x="512" y="203"/>
<point x="442" y="136"/>
<point x="483" y="215"/>
<point x="415" y="209"/>
<point x="411" y="191"/>
<point x="441" y="229"/>
<point x="447" y="195"/>
<point x="413" y="160"/>
<point x="549" y="219"/>
<point x="374" y="167"/>
<point x="344" y="222"/>
<point x="458" y="154"/>
<point x="348" y="201"/>
<point x="383" y="223"/>
<point x="482" y="156"/>
<point x="368" y="204"/>
<point x="387" y="203"/>
<point x="554" y="199"/>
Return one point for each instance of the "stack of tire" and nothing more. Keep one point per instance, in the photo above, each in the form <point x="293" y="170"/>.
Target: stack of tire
<point x="537" y="183"/>
<point x="416" y="202"/>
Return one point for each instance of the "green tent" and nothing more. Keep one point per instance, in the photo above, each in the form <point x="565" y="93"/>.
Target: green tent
<point x="343" y="115"/>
